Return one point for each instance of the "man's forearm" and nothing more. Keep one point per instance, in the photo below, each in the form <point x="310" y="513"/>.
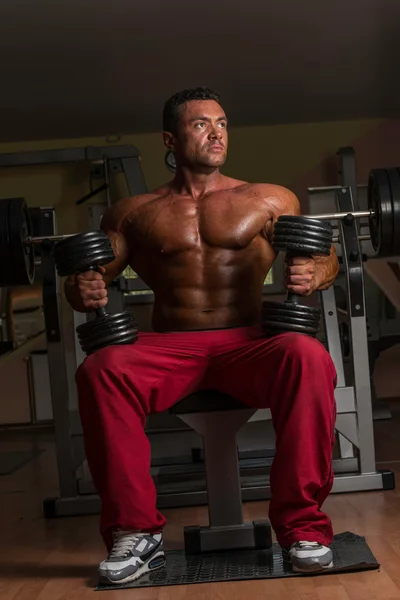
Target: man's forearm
<point x="327" y="268"/>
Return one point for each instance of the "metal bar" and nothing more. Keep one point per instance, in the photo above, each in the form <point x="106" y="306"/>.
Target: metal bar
<point x="332" y="333"/>
<point x="352" y="259"/>
<point x="348" y="172"/>
<point x="134" y="176"/>
<point x="58" y="378"/>
<point x="332" y="188"/>
<point x="52" y="238"/>
<point x="221" y="461"/>
<point x="58" y="238"/>
<point x="90" y="153"/>
<point x="361" y="238"/>
<point x="357" y="214"/>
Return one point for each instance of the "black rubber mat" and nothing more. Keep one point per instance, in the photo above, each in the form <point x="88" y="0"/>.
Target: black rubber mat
<point x="350" y="553"/>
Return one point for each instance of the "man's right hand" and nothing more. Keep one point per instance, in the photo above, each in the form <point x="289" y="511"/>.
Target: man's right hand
<point x="92" y="289"/>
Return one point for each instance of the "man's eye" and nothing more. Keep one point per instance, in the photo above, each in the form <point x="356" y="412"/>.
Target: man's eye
<point x="200" y="124"/>
<point x="222" y="125"/>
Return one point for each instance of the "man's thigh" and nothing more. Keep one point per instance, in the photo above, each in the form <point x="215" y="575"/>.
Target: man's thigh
<point x="159" y="369"/>
<point x="255" y="371"/>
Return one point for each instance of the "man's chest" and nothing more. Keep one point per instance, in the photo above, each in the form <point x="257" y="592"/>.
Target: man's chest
<point x="220" y="220"/>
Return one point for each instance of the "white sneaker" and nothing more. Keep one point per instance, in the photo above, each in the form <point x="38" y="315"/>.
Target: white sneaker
<point x="307" y="557"/>
<point x="133" y="554"/>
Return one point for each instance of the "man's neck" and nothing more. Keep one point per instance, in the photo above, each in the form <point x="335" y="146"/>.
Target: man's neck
<point x="197" y="183"/>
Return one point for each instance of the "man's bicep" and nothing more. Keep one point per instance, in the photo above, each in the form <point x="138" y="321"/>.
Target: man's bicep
<point x="121" y="256"/>
<point x="281" y="201"/>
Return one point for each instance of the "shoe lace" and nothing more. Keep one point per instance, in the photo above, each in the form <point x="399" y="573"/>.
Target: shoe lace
<point x="124" y="542"/>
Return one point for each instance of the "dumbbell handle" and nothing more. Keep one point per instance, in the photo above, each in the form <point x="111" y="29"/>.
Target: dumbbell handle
<point x="99" y="312"/>
<point x="293" y="298"/>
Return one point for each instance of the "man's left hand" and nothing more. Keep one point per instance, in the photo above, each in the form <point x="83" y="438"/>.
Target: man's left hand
<point x="301" y="275"/>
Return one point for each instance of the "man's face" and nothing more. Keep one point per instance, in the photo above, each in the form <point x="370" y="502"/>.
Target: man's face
<point x="202" y="136"/>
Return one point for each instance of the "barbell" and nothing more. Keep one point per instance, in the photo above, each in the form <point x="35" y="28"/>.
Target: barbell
<point x="17" y="255"/>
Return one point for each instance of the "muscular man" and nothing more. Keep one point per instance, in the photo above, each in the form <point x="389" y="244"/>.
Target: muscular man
<point x="202" y="244"/>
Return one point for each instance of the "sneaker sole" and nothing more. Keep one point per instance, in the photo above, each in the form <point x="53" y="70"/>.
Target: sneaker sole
<point x="312" y="568"/>
<point x="139" y="573"/>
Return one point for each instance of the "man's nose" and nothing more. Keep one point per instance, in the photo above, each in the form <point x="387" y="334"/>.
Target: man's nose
<point x="215" y="132"/>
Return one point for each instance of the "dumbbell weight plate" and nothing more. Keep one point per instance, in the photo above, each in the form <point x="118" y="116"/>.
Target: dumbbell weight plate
<point x="274" y="328"/>
<point x="111" y="329"/>
<point x="301" y="235"/>
<point x="307" y="223"/>
<point x="80" y="252"/>
<point x="381" y="223"/>
<point x="279" y="317"/>
<point x="17" y="257"/>
<point x="308" y="312"/>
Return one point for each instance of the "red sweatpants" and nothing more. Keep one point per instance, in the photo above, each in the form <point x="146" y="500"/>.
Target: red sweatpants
<point x="291" y="374"/>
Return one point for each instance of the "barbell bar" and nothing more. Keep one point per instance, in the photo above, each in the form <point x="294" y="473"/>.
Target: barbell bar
<point x="59" y="238"/>
<point x="17" y="255"/>
<point x="37" y="240"/>
<point x="357" y="214"/>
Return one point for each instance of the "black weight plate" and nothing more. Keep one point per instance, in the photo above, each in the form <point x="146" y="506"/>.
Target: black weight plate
<point x="295" y="308"/>
<point x="17" y="256"/>
<point x="82" y="252"/>
<point x="107" y="330"/>
<point x="381" y="224"/>
<point x="275" y="328"/>
<point x="324" y="236"/>
<point x="291" y="320"/>
<point x="301" y="245"/>
<point x="394" y="180"/>
<point x="81" y="240"/>
<point x="282" y="313"/>
<point x="89" y="346"/>
<point x="304" y="222"/>
<point x="104" y="325"/>
<point x="5" y="254"/>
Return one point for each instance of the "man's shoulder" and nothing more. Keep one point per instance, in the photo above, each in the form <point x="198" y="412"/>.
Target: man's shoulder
<point x="119" y="212"/>
<point x="270" y="189"/>
<point x="285" y="201"/>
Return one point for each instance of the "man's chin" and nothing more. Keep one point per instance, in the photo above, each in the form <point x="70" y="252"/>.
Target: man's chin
<point x="215" y="161"/>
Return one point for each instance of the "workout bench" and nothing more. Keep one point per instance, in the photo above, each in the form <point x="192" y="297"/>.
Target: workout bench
<point x="217" y="418"/>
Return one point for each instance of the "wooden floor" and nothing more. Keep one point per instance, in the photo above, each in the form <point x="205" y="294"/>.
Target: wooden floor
<point x="57" y="559"/>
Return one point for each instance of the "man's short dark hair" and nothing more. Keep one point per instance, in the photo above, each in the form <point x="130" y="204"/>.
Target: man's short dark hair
<point x="173" y="104"/>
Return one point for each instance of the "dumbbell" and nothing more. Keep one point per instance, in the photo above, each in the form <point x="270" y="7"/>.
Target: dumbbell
<point x="87" y="252"/>
<point x="297" y="236"/>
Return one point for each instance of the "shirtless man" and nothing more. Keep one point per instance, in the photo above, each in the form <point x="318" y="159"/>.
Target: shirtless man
<point x="202" y="244"/>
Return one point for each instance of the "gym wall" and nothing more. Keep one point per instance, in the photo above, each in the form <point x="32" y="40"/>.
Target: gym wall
<point x="280" y="154"/>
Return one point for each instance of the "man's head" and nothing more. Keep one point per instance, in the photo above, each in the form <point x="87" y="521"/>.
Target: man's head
<point x="195" y="128"/>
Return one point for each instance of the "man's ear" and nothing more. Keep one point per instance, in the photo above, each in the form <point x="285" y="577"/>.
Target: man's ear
<point x="169" y="140"/>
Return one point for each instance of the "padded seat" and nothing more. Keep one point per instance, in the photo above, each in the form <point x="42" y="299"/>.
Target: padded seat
<point x="217" y="418"/>
<point x="206" y="401"/>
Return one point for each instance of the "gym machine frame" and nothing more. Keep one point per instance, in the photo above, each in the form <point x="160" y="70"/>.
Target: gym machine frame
<point x="354" y="424"/>
<point x="67" y="428"/>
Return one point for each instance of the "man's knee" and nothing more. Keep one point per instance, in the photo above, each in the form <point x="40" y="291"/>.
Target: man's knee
<point x="304" y="348"/>
<point x="106" y="359"/>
